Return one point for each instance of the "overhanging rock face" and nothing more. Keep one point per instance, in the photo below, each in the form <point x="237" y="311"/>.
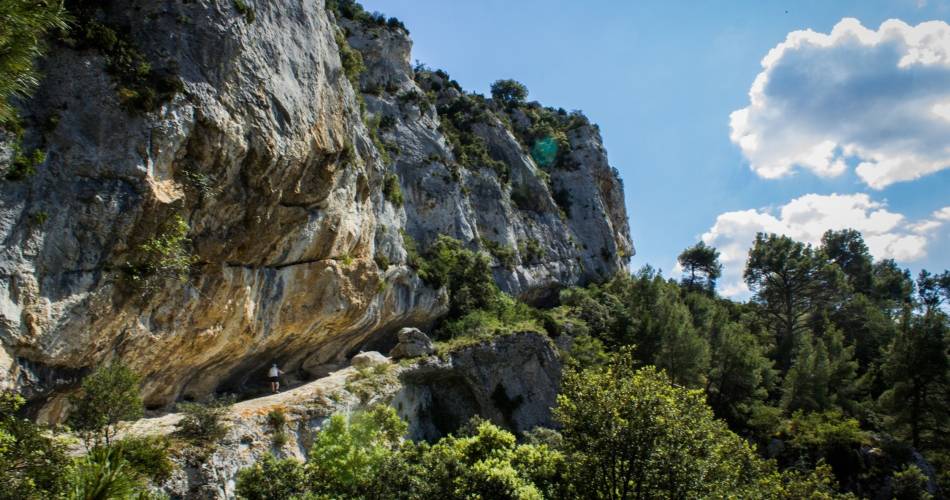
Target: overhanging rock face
<point x="295" y="252"/>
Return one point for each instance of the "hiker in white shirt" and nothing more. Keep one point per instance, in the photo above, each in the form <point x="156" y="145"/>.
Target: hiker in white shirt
<point x="274" y="375"/>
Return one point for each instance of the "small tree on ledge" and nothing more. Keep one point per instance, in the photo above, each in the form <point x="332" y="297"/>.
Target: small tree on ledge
<point x="509" y="92"/>
<point x="107" y="397"/>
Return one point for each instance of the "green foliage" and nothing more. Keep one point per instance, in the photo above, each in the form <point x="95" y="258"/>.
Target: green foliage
<point x="25" y="25"/>
<point x="165" y="256"/>
<point x="270" y="479"/>
<point x="368" y="382"/>
<point x="466" y="274"/>
<point x="793" y="283"/>
<point x="545" y="135"/>
<point x="504" y="317"/>
<point x="701" y="267"/>
<point x="32" y="462"/>
<point x="821" y="375"/>
<point x="140" y="87"/>
<point x="203" y="424"/>
<point x="107" y="396"/>
<point x="364" y="457"/>
<point x="814" y="438"/>
<point x="910" y="484"/>
<point x="509" y="92"/>
<point x="846" y="248"/>
<point x="739" y="375"/>
<point x="147" y="456"/>
<point x="245" y="10"/>
<point x="277" y="420"/>
<point x="373" y="125"/>
<point x="504" y="254"/>
<point x="348" y="454"/>
<point x="458" y="120"/>
<point x="350" y="59"/>
<point x="631" y="434"/>
<point x="104" y="474"/>
<point x="392" y="191"/>
<point x="916" y="368"/>
<point x="24" y="165"/>
<point x="350" y="9"/>
<point x="531" y="251"/>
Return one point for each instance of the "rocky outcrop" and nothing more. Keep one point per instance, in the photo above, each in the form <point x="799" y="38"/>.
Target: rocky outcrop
<point x="248" y="217"/>
<point x="412" y="343"/>
<point x="512" y="381"/>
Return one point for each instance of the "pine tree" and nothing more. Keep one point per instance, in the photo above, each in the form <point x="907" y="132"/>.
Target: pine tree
<point x="738" y="375"/>
<point x="683" y="353"/>
<point x="806" y="384"/>
<point x="916" y="370"/>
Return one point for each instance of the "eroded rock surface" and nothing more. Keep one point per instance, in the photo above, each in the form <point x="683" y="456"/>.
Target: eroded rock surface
<point x="264" y="153"/>
<point x="512" y="381"/>
<point x="412" y="343"/>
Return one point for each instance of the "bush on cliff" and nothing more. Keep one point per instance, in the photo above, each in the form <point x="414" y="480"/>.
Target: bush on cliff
<point x="203" y="423"/>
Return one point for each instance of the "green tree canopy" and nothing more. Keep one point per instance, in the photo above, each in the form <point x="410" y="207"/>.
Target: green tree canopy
<point x="631" y="434"/>
<point x="107" y="396"/>
<point x="701" y="267"/>
<point x="32" y="464"/>
<point x="791" y="282"/>
<point x="509" y="92"/>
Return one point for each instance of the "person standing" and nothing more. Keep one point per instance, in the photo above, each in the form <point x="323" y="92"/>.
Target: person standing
<point x="274" y="375"/>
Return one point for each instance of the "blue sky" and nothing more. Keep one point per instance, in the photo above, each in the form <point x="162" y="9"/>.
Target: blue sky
<point x="661" y="78"/>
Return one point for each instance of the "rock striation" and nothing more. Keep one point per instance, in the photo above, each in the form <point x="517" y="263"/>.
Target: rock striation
<point x="251" y="214"/>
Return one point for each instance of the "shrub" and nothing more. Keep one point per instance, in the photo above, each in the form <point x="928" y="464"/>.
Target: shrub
<point x="24" y="165"/>
<point x="31" y="462"/>
<point x="509" y="92"/>
<point x="466" y="274"/>
<point x="202" y="424"/>
<point x="531" y="251"/>
<point x="348" y="454"/>
<point x="630" y="430"/>
<point x="277" y="420"/>
<point x="391" y="190"/>
<point x="503" y="253"/>
<point x="350" y="59"/>
<point x="470" y="150"/>
<point x="166" y="255"/>
<point x="504" y="317"/>
<point x="147" y="456"/>
<point x="103" y="473"/>
<point x="139" y="86"/>
<point x="245" y="10"/>
<point x="910" y="484"/>
<point x="270" y="479"/>
<point x="108" y="396"/>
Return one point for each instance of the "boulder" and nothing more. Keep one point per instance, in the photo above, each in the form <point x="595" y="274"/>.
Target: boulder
<point x="369" y="360"/>
<point x="412" y="344"/>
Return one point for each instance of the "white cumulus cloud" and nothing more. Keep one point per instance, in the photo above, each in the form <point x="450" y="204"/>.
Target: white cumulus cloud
<point x="880" y="99"/>
<point x="887" y="234"/>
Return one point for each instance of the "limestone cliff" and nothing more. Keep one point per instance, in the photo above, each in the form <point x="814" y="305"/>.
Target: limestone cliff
<point x="231" y="198"/>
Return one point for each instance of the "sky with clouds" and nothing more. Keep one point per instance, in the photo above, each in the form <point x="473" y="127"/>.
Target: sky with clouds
<point x="729" y="118"/>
